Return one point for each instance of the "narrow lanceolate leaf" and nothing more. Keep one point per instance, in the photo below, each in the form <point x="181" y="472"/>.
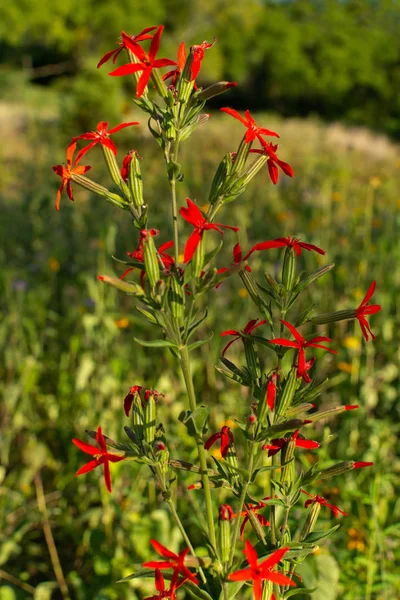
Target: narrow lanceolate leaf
<point x="200" y="343"/>
<point x="313" y="277"/>
<point x="196" y="324"/>
<point x="298" y="591"/>
<point x="156" y="343"/>
<point x="315" y="536"/>
<point x="124" y="286"/>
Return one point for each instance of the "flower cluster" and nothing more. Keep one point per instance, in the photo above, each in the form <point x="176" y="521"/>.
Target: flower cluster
<point x="168" y="280"/>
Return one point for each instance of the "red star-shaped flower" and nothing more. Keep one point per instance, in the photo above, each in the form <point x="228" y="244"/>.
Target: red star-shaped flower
<point x="320" y="500"/>
<point x="276" y="445"/>
<point x="254" y="509"/>
<point x="301" y="344"/>
<point x="366" y="309"/>
<point x="66" y="173"/>
<point x="273" y="161"/>
<point x="166" y="259"/>
<point x="251" y="325"/>
<point x="253" y="130"/>
<point x="147" y="62"/>
<point x="163" y="593"/>
<point x="226" y="437"/>
<point x="174" y="561"/>
<point x="100" y="136"/>
<point x="193" y="215"/>
<point x="257" y="572"/>
<point x="101" y="456"/>
<point x="290" y="242"/>
<point x="140" y="37"/>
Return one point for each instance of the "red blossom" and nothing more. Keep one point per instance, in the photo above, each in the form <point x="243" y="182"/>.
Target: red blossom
<point x="226" y="437"/>
<point x="126" y="164"/>
<point x="174" y="561"/>
<point x="163" y="593"/>
<point x="271" y="391"/>
<point x="301" y="344"/>
<point x="290" y="242"/>
<point x="320" y="500"/>
<point x="140" y="37"/>
<point x="273" y="161"/>
<point x="226" y="512"/>
<point x="257" y="572"/>
<point x="176" y="73"/>
<point x="100" y="136"/>
<point x="147" y="62"/>
<point x="198" y="55"/>
<point x="252" y="508"/>
<point x="66" y="174"/>
<point x="279" y="443"/>
<point x="138" y="254"/>
<point x="237" y="259"/>
<point x="193" y="215"/>
<point x="136" y="389"/>
<point x="307" y="366"/>
<point x="100" y="457"/>
<point x="366" y="309"/>
<point x="251" y="325"/>
<point x="253" y="130"/>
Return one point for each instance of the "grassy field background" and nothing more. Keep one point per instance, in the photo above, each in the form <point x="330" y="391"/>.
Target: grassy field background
<point x="68" y="356"/>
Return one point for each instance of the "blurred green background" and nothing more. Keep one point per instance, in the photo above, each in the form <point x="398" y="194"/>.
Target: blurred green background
<point x="325" y="75"/>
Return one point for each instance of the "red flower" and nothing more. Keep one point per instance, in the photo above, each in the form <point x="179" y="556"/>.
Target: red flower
<point x="273" y="161"/>
<point x="100" y="136"/>
<point x="176" y="73"/>
<point x="146" y="62"/>
<point x="126" y="164"/>
<point x="320" y="500"/>
<point x="160" y="587"/>
<point x="253" y="130"/>
<point x="166" y="259"/>
<point x="271" y="391"/>
<point x="100" y="457"/>
<point x="237" y="258"/>
<point x="366" y="309"/>
<point x="226" y="512"/>
<point x="193" y="215"/>
<point x="251" y="325"/>
<point x="136" y="389"/>
<point x="198" y="55"/>
<point x="290" y="242"/>
<point x="301" y="344"/>
<point x="307" y="366"/>
<point x="175" y="562"/>
<point x="259" y="571"/>
<point x="252" y="508"/>
<point x="140" y="37"/>
<point x="226" y="437"/>
<point x="277" y="444"/>
<point x="66" y="174"/>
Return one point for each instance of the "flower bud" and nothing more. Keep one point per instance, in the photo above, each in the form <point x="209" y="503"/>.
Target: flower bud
<point x="150" y="255"/>
<point x="340" y="315"/>
<point x="220" y="178"/>
<point x="337" y="410"/>
<point x="137" y="417"/>
<point x="124" y="286"/>
<point x="175" y="297"/>
<point x="288" y="392"/>
<point x="149" y="418"/>
<point x="311" y="520"/>
<point x="252" y="360"/>
<point x="342" y="467"/>
<point x="289" y="269"/>
<point x="114" y="170"/>
<point x="214" y="90"/>
<point x="198" y="259"/>
<point x="135" y="179"/>
<point x="226" y="515"/>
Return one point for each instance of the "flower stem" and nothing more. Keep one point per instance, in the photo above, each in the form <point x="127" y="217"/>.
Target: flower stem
<point x="187" y="375"/>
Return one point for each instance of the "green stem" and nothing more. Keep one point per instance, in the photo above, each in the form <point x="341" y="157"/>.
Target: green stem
<point x="187" y="375"/>
<point x="172" y="155"/>
<point x="241" y="504"/>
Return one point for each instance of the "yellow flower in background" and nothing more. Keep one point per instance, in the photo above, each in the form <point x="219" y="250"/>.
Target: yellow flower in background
<point x="205" y="207"/>
<point x="122" y="323"/>
<point x="54" y="265"/>
<point x="375" y="182"/>
<point x="228" y="423"/>
<point x="216" y="453"/>
<point x="344" y="366"/>
<point x="243" y="293"/>
<point x="358" y="294"/>
<point x="357" y="540"/>
<point x="351" y="342"/>
<point x="337" y="197"/>
<point x="181" y="257"/>
<point x="377" y="222"/>
<point x="282" y="215"/>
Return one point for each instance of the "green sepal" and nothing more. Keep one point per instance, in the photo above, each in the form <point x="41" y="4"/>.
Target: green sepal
<point x="303" y="283"/>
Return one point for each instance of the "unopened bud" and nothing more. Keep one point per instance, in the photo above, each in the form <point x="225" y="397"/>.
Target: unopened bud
<point x="342" y="467"/>
<point x="289" y="269"/>
<point x="124" y="286"/>
<point x="215" y="89"/>
<point x="340" y="315"/>
<point x="311" y="520"/>
<point x="135" y="180"/>
<point x="289" y="389"/>
<point x="150" y="256"/>
<point x="220" y="178"/>
<point x="252" y="360"/>
<point x="149" y="419"/>
<point x="198" y="259"/>
<point x="175" y="297"/>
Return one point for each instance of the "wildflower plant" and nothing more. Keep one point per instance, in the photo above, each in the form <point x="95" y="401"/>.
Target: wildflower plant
<point x="168" y="293"/>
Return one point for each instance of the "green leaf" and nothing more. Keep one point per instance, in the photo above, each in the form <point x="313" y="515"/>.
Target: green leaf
<point x="130" y="288"/>
<point x="212" y="254"/>
<point x="156" y="343"/>
<point x="200" y="343"/>
<point x="313" y="277"/>
<point x="148" y="315"/>
<point x="196" y="422"/>
<point x="195" y="324"/>
<point x="319" y="535"/>
<point x="298" y="591"/>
